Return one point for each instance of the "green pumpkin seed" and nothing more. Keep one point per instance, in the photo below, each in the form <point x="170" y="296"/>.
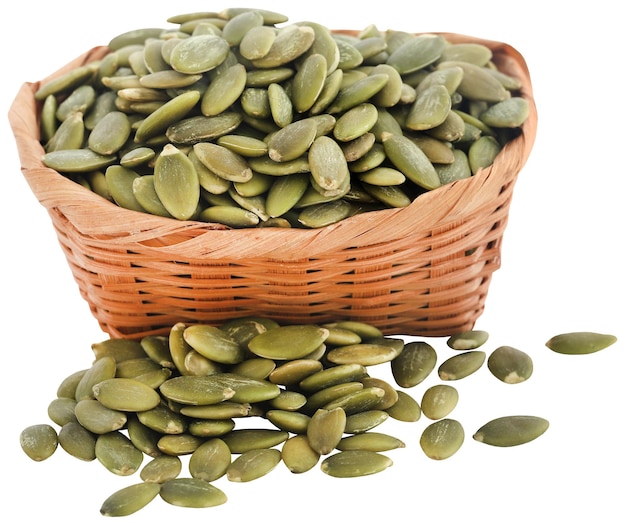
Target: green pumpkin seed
<point x="120" y="181"/>
<point x="414" y="364"/>
<point x="169" y="113"/>
<point x="288" y="400"/>
<point x="462" y="365"/>
<point x="97" y="418"/>
<point x="442" y="439"/>
<point x="129" y="500"/>
<point x="285" y="192"/>
<point x="449" y="77"/>
<point x="210" y="461"/>
<point x="161" y="469"/>
<point x="199" y="54"/>
<point x="281" y="106"/>
<point x="126" y="394"/>
<point x="509" y="431"/>
<point x="117" y="453"/>
<point x="134" y="367"/>
<point x="358" y="401"/>
<point x="292" y="141"/>
<point x="143" y="438"/>
<point x="298" y="455"/>
<point x="61" y="410"/>
<point x="223" y="162"/>
<point x="372" y="441"/>
<point x="214" y="343"/>
<point x="102" y="369"/>
<point x="243" y="440"/>
<point x="77" y="441"/>
<point x="483" y="152"/>
<point x="191" y="493"/>
<point x="405" y="408"/>
<point x="582" y="342"/>
<point x="471" y="52"/>
<point x="328" y="164"/>
<point x="290" y="43"/>
<point x="355" y="122"/>
<point x="511" y="113"/>
<point x="333" y="376"/>
<point x="179" y="444"/>
<point x="365" y="354"/>
<point x="70" y="134"/>
<point x="246" y="146"/>
<point x="294" y="371"/>
<point x="417" y="53"/>
<point x="176" y="183"/>
<point x="66" y="82"/>
<point x="163" y="420"/>
<point x="257" y="42"/>
<point x="510" y="365"/>
<point x="230" y="216"/>
<point x="383" y="177"/>
<point x="217" y="411"/>
<point x="145" y="193"/>
<point x="362" y="422"/>
<point x="289" y="421"/>
<point x="76" y="160"/>
<point x="357" y="93"/>
<point x="467" y="340"/>
<point x="137" y="156"/>
<point x="253" y="464"/>
<point x="223" y="91"/>
<point x="477" y="83"/>
<point x="196" y="390"/>
<point x="325" y="429"/>
<point x="309" y="81"/>
<point x="210" y="428"/>
<point x="203" y="128"/>
<point x="355" y="463"/>
<point x="288" y="342"/>
<point x="458" y="169"/>
<point x="256" y="368"/>
<point x="39" y="442"/>
<point x="438" y="401"/>
<point x="430" y="108"/>
<point x="266" y="165"/>
<point x="409" y="159"/>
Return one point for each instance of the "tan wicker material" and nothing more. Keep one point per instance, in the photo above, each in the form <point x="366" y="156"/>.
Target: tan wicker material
<point x="420" y="270"/>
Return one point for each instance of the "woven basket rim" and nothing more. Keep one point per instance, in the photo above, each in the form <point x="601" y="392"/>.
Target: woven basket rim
<point x="443" y="206"/>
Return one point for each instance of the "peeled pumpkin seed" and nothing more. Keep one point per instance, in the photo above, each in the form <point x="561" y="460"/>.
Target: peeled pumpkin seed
<point x="67" y="387"/>
<point x="363" y="353"/>
<point x="510" y="365"/>
<point x="483" y="152"/>
<point x="198" y="54"/>
<point x="509" y="431"/>
<point x="253" y="464"/>
<point x="410" y="160"/>
<point x="414" y="364"/>
<point x="210" y="461"/>
<point x="76" y="160"/>
<point x="512" y="113"/>
<point x="438" y="401"/>
<point x="288" y="342"/>
<point x="372" y="441"/>
<point x="169" y="113"/>
<point x="289" y="421"/>
<point x="292" y="141"/>
<point x="117" y="453"/>
<point x="144" y="438"/>
<point x="61" y="410"/>
<point x="214" y="343"/>
<point x="191" y="493"/>
<point x="243" y="440"/>
<point x="298" y="455"/>
<point x="129" y="500"/>
<point x="580" y="342"/>
<point x="462" y="365"/>
<point x="161" y="468"/>
<point x="325" y="429"/>
<point x="290" y="43"/>
<point x="102" y="369"/>
<point x="355" y="463"/>
<point x="442" y="439"/>
<point x="257" y="42"/>
<point x="430" y="108"/>
<point x="358" y="401"/>
<point x="97" y="418"/>
<point x="163" y="420"/>
<point x="178" y="444"/>
<point x="77" y="441"/>
<point x="467" y="340"/>
<point x="39" y="442"/>
<point x="406" y="408"/>
<point x="126" y="394"/>
<point x="361" y="422"/>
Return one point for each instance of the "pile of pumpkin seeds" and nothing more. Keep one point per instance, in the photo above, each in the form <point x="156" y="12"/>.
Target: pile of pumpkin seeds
<point x="310" y="387"/>
<point x="240" y="118"/>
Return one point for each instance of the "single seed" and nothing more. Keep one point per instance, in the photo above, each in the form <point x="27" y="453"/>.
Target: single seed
<point x="126" y="394"/>
<point x="161" y="468"/>
<point x="510" y="365"/>
<point x="39" y="442"/>
<point x="129" y="500"/>
<point x="355" y="463"/>
<point x="438" y="401"/>
<point x="210" y="460"/>
<point x="414" y="364"/>
<point x="442" y="439"/>
<point x="117" y="453"/>
<point x="191" y="493"/>
<point x="582" y="342"/>
<point x="298" y="455"/>
<point x="467" y="340"/>
<point x="462" y="365"/>
<point x="253" y="464"/>
<point x="325" y="429"/>
<point x="373" y="441"/>
<point x="509" y="431"/>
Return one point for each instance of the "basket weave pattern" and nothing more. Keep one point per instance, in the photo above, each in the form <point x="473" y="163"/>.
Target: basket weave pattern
<point x="421" y="270"/>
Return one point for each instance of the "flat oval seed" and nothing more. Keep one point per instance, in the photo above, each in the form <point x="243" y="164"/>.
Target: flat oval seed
<point x="223" y="162"/>
<point x="210" y="460"/>
<point x="61" y="410"/>
<point x="176" y="182"/>
<point x="69" y="135"/>
<point x="76" y="160"/>
<point x="359" y="92"/>
<point x="230" y="216"/>
<point x="511" y="113"/>
<point x="442" y="439"/>
<point x="414" y="364"/>
<point x="211" y="428"/>
<point x="196" y="390"/>
<point x="191" y="493"/>
<point x="120" y="349"/>
<point x="199" y="54"/>
<point x="467" y="340"/>
<point x="417" y="53"/>
<point x="39" y="442"/>
<point x="129" y="500"/>
<point x="477" y="83"/>
<point x="169" y="113"/>
<point x="288" y="342"/>
<point x="97" y="418"/>
<point x="294" y="371"/>
<point x="292" y="141"/>
<point x="326" y="213"/>
<point x="243" y="440"/>
<point x="256" y="368"/>
<point x="77" y="441"/>
<point x="580" y="342"/>
<point x="438" y="401"/>
<point x="510" y="365"/>
<point x="126" y="394"/>
<point x="358" y="401"/>
<point x="362" y="422"/>
<point x="462" y="365"/>
<point x="117" y="453"/>
<point x="214" y="343"/>
<point x="144" y="192"/>
<point x="509" y="431"/>
<point x="410" y="160"/>
<point x="253" y="464"/>
<point x="257" y="42"/>
<point x="325" y="429"/>
<point x="203" y="128"/>
<point x="373" y="441"/>
<point x="102" y="369"/>
<point x="289" y="421"/>
<point x="406" y="408"/>
<point x="483" y="152"/>
<point x="285" y="193"/>
<point x="430" y="109"/>
<point x="391" y="395"/>
<point x="163" y="420"/>
<point x="224" y="90"/>
<point x="308" y="82"/>
<point x="297" y="454"/>
<point x="355" y="463"/>
<point x="365" y="354"/>
<point x="217" y="411"/>
<point x="290" y="43"/>
<point x="333" y="376"/>
<point x="179" y="444"/>
<point x="355" y="122"/>
<point x="161" y="468"/>
<point x="120" y="181"/>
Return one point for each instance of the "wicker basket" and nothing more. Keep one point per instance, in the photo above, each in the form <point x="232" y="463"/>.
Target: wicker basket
<point x="421" y="270"/>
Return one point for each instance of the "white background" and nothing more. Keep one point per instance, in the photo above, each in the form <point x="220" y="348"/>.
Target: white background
<point x="562" y="270"/>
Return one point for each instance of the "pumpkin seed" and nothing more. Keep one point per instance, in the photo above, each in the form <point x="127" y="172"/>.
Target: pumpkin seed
<point x="582" y="342"/>
<point x="510" y="365"/>
<point x="61" y="410"/>
<point x="462" y="365"/>
<point x="467" y="340"/>
<point x="298" y="455"/>
<point x="414" y="364"/>
<point x="243" y="440"/>
<point x="355" y="463"/>
<point x="39" y="442"/>
<point x="442" y="439"/>
<point x="325" y="429"/>
<point x="126" y="394"/>
<point x="210" y="460"/>
<point x="288" y="342"/>
<point x="372" y="441"/>
<point x="97" y="418"/>
<point x="191" y="493"/>
<point x="438" y="401"/>
<point x="509" y="431"/>
<point x="253" y="464"/>
<point x="129" y="500"/>
<point x="117" y="453"/>
<point x="161" y="469"/>
<point x="77" y="441"/>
